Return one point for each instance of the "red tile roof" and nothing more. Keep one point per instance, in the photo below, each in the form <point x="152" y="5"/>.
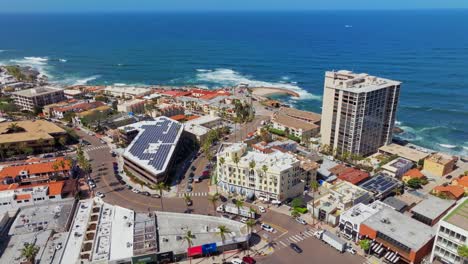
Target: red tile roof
<point x="353" y="176"/>
<point x="55" y="188"/>
<point x="24" y="196"/>
<point x="455" y="190"/>
<point x="463" y="181"/>
<point x="177" y="117"/>
<point x="34" y="168"/>
<point x="414" y="173"/>
<point x="192" y="117"/>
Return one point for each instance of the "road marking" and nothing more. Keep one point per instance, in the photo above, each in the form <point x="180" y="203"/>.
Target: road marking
<point x="292" y="239"/>
<point x="193" y="194"/>
<point x="277" y="227"/>
<point x="282" y="243"/>
<point x="298" y="237"/>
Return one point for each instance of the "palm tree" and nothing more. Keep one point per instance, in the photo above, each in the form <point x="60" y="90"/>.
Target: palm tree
<point x="264" y="169"/>
<point x="222" y="231"/>
<point x="236" y="159"/>
<point x="314" y="185"/>
<point x="221" y="161"/>
<point x="188" y="237"/>
<point x="239" y="204"/>
<point x="295" y="214"/>
<point x="250" y="224"/>
<point x="161" y="186"/>
<point x="213" y="199"/>
<point x="29" y="252"/>
<point x="252" y="165"/>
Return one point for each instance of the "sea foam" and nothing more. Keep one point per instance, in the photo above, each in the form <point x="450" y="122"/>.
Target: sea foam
<point x="229" y="77"/>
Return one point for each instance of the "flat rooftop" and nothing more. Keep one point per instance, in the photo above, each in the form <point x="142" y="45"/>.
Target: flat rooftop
<point x="432" y="207"/>
<point x="50" y="216"/>
<point x="293" y="122"/>
<point x="38" y="91"/>
<point x="305" y="115"/>
<point x="401" y="228"/>
<point x="398" y="163"/>
<point x="155" y="143"/>
<point x="275" y="161"/>
<point x="131" y="90"/>
<point x="361" y="212"/>
<point x="358" y="82"/>
<point x="459" y="215"/>
<point x="404" y="152"/>
<point x="173" y="226"/>
<point x="441" y="158"/>
<point x="203" y="120"/>
<point x="380" y="183"/>
<point x="31" y="130"/>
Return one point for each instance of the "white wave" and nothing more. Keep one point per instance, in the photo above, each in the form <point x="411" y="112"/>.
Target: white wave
<point x="202" y="70"/>
<point x="2" y="51"/>
<point x="447" y="146"/>
<point x="38" y="60"/>
<point x="77" y="80"/>
<point x="120" y="64"/>
<point x="465" y="148"/>
<point x="62" y="60"/>
<point x="398" y="123"/>
<point x="38" y="63"/>
<point x="228" y="77"/>
<point x="86" y="80"/>
<point x="120" y="84"/>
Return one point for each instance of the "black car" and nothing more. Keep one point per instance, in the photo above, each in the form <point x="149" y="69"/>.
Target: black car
<point x="295" y="247"/>
<point x="146" y="193"/>
<point x="223" y="199"/>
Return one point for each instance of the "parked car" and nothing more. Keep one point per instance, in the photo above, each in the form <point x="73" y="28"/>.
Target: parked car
<point x="100" y="194"/>
<point x="146" y="193"/>
<point x="267" y="228"/>
<point x="188" y="202"/>
<point x="222" y="198"/>
<point x="301" y="221"/>
<point x="249" y="260"/>
<point x="190" y="180"/>
<point x="295" y="247"/>
<point x="318" y="234"/>
<point x="135" y="191"/>
<point x="156" y="195"/>
<point x="262" y="209"/>
<point x="129" y="187"/>
<point x="237" y="261"/>
<point x="189" y="188"/>
<point x="351" y="250"/>
<point x="243" y="220"/>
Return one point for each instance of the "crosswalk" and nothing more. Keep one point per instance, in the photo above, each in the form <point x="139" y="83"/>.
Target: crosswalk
<point x="193" y="194"/>
<point x="294" y="239"/>
<point x="92" y="148"/>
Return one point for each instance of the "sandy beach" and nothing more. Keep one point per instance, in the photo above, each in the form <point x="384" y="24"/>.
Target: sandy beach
<point x="268" y="91"/>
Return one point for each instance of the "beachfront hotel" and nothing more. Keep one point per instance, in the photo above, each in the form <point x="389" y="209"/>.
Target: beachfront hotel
<point x="358" y="113"/>
<point x="38" y="97"/>
<point x="273" y="176"/>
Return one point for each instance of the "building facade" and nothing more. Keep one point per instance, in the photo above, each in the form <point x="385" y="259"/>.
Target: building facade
<point x="452" y="233"/>
<point x="359" y="112"/>
<point x="272" y="176"/>
<point x="30" y="99"/>
<point x="439" y="164"/>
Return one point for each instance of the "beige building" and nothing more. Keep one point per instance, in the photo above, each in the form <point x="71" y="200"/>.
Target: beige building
<point x="38" y="97"/>
<point x="126" y="92"/>
<point x="273" y="176"/>
<point x="296" y="127"/>
<point x="358" y="112"/>
<point x="439" y="164"/>
<point x="134" y="106"/>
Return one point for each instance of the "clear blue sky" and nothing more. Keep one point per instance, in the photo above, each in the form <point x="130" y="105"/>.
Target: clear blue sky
<point x="215" y="5"/>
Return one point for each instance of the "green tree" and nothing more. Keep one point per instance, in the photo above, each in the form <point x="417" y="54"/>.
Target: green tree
<point x="160" y="187"/>
<point x="295" y="214"/>
<point x="236" y="159"/>
<point x="29" y="252"/>
<point x="463" y="252"/>
<point x="365" y="245"/>
<point x="297" y="202"/>
<point x="414" y="183"/>
<point x="62" y="141"/>
<point x="68" y="116"/>
<point x="264" y="169"/>
<point x="250" y="224"/>
<point x="239" y="204"/>
<point x="222" y="231"/>
<point x="314" y="185"/>
<point x="252" y="165"/>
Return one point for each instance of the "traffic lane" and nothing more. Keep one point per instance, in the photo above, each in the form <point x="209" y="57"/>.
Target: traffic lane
<point x="246" y="128"/>
<point x="283" y="222"/>
<point x="313" y="249"/>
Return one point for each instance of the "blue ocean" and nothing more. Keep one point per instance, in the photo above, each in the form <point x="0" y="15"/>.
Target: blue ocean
<point x="426" y="50"/>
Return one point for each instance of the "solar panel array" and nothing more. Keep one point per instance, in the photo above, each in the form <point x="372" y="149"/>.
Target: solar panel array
<point x="154" y="143"/>
<point x="380" y="183"/>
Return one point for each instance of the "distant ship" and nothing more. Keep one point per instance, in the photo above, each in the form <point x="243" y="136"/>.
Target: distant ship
<point x="348" y="26"/>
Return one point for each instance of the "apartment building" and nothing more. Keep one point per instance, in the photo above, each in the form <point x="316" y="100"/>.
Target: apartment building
<point x="132" y="106"/>
<point x="358" y="112"/>
<point x="295" y="127"/>
<point x="452" y="233"/>
<point x="273" y="176"/>
<point x="439" y="164"/>
<point x="38" y="97"/>
<point x="397" y="167"/>
<point x="127" y="92"/>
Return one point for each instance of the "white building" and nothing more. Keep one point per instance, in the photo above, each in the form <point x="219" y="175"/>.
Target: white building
<point x="358" y="112"/>
<point x="14" y="196"/>
<point x="38" y="97"/>
<point x="127" y="92"/>
<point x="398" y="167"/>
<point x="452" y="233"/>
<point x="275" y="175"/>
<point x="133" y="106"/>
<point x="296" y="127"/>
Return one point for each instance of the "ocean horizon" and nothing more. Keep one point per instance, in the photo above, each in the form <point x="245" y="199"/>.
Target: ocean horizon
<point x="427" y="50"/>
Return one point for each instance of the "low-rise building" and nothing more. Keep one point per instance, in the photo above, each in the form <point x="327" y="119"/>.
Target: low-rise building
<point x="381" y="185"/>
<point x="72" y="93"/>
<point x="405" y="152"/>
<point x="431" y="210"/>
<point x="151" y="151"/>
<point x="275" y="175"/>
<point x="461" y="181"/>
<point x="209" y="121"/>
<point x="412" y="174"/>
<point x="34" y="98"/>
<point x="452" y="233"/>
<point x="306" y="116"/>
<point x="439" y="164"/>
<point x="296" y="127"/>
<point x="396" y="204"/>
<point x="340" y="197"/>
<point x="349" y="174"/>
<point x="127" y="92"/>
<point x="402" y="237"/>
<point x="453" y="192"/>
<point x="35" y="134"/>
<point x="35" y="171"/>
<point x="78" y="107"/>
<point x="133" y="106"/>
<point x="398" y="167"/>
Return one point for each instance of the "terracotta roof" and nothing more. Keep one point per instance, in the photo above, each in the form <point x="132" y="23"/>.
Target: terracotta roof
<point x="340" y="168"/>
<point x="462" y="181"/>
<point x="55" y="188"/>
<point x="24" y="196"/>
<point x="192" y="117"/>
<point x="177" y="117"/>
<point x="414" y="173"/>
<point x="354" y="176"/>
<point x="34" y="168"/>
<point x="455" y="190"/>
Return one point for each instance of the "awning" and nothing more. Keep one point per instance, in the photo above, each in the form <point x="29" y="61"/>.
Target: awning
<point x="209" y="248"/>
<point x="194" y="251"/>
<point x="250" y="195"/>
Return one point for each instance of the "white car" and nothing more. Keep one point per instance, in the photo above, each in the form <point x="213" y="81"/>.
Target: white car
<point x="351" y="250"/>
<point x="267" y="228"/>
<point x="237" y="261"/>
<point x="243" y="220"/>
<point x="301" y="221"/>
<point x="100" y="195"/>
<point x="318" y="234"/>
<point x="262" y="209"/>
<point x="276" y="202"/>
<point x="135" y="191"/>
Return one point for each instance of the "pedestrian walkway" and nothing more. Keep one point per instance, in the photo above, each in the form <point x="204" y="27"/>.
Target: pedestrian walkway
<point x="92" y="148"/>
<point x="192" y="194"/>
<point x="296" y="238"/>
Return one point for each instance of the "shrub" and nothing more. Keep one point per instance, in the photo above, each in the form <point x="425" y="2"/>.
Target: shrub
<point x="300" y="210"/>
